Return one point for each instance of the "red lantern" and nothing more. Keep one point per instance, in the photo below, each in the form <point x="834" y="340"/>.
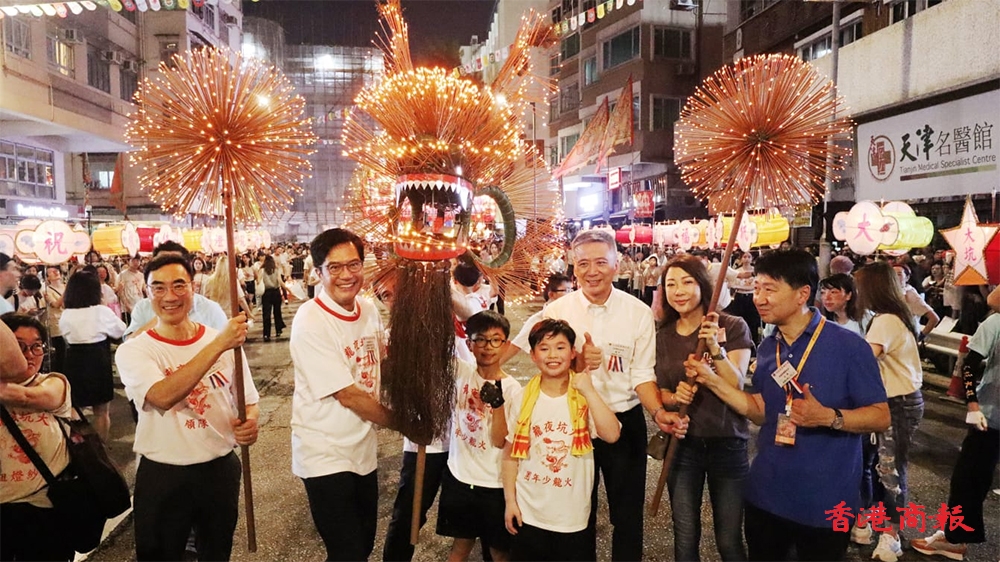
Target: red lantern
<point x="634" y="234"/>
<point x="146" y="236"/>
<point x="992" y="254"/>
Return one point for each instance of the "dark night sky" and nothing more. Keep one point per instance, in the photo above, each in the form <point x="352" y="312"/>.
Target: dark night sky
<point x="354" y="22"/>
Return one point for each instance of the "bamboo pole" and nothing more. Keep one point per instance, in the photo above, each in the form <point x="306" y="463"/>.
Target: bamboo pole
<point x="418" y="494"/>
<point x="241" y="402"/>
<point x="654" y="505"/>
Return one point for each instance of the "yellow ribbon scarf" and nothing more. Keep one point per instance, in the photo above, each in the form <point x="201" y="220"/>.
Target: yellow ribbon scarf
<point x="577" y="412"/>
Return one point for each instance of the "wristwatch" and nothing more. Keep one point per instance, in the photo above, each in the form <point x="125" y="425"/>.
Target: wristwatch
<point x="838" y="419"/>
<point x="721" y="356"/>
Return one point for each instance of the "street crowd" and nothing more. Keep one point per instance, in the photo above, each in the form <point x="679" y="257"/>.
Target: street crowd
<point x="830" y="369"/>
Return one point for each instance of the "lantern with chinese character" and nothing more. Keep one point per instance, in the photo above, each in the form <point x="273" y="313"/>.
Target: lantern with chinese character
<point x="51" y="242"/>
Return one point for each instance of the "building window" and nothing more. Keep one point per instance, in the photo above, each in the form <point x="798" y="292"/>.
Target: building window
<point x="590" y="71"/>
<point x="902" y="9"/>
<point x="569" y="98"/>
<point x="822" y="45"/>
<point x="621" y="48"/>
<point x="60" y="54"/>
<point x="209" y="17"/>
<point x="128" y="84"/>
<point x="588" y="5"/>
<point x="554" y="65"/>
<point x="556" y="15"/>
<point x="569" y="6"/>
<point x="98" y="70"/>
<point x="570" y="46"/>
<point x="26" y="171"/>
<point x="102" y="169"/>
<point x="665" y="112"/>
<point x="167" y="51"/>
<point x="17" y="36"/>
<point x="636" y="113"/>
<point x="129" y="15"/>
<point x="566" y="144"/>
<point x="554" y="107"/>
<point x="671" y="43"/>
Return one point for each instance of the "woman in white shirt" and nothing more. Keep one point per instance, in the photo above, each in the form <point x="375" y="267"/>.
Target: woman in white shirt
<point x="893" y="339"/>
<point x="108" y="296"/>
<point x="841" y="303"/>
<point x="88" y="327"/>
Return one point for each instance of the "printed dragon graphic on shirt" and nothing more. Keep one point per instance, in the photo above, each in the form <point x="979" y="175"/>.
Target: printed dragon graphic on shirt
<point x="197" y="399"/>
<point x="363" y="354"/>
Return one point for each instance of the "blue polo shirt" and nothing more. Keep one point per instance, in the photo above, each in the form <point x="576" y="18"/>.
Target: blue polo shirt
<point x="823" y="468"/>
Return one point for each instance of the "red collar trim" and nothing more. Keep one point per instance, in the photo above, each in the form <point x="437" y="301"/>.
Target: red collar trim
<point x="197" y="336"/>
<point x="338" y="315"/>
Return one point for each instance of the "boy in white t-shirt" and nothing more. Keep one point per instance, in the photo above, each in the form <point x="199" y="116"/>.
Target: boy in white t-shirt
<point x="472" y="499"/>
<point x="548" y="465"/>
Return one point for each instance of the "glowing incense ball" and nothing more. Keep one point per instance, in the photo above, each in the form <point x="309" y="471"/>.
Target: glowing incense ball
<point x="213" y="122"/>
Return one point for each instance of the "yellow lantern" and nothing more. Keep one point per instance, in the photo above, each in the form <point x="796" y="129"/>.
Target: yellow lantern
<point x="771" y="229"/>
<point x="904" y="229"/>
<point x="116" y="240"/>
<point x="192" y="240"/>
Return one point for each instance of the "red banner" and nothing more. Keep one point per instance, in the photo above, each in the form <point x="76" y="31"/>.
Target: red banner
<point x="643" y="204"/>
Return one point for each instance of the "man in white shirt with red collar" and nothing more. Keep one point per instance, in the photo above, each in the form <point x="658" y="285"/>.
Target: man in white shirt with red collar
<point x="617" y="342"/>
<point x="337" y="346"/>
<point x="180" y="375"/>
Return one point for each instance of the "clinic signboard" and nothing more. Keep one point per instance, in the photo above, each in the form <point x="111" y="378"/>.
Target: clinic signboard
<point x="949" y="149"/>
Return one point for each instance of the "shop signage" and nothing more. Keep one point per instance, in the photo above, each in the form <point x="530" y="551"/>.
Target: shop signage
<point x="944" y="150"/>
<point x="643" y="204"/>
<point x="36" y="210"/>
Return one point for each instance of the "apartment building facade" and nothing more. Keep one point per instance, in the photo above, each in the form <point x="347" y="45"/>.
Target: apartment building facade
<point x="66" y="87"/>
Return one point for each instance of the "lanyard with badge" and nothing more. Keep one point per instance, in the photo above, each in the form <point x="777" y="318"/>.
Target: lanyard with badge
<point x="787" y="377"/>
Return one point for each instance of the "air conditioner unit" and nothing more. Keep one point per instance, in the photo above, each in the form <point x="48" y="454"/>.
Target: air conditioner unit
<point x="72" y="36"/>
<point x="684" y="69"/>
<point x="114" y="57"/>
<point x="131" y="66"/>
<point x="229" y="19"/>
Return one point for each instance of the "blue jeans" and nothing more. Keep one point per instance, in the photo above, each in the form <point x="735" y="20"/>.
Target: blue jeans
<point x="892" y="460"/>
<point x="723" y="460"/>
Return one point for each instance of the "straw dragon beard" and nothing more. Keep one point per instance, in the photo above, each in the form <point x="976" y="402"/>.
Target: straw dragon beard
<point x="418" y="376"/>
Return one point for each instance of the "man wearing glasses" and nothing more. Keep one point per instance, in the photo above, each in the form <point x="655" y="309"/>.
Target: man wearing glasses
<point x="180" y="375"/>
<point x="9" y="275"/>
<point x="337" y="346"/>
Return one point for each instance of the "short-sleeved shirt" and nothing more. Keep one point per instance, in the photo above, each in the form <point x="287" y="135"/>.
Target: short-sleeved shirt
<point x="916" y="303"/>
<point x="198" y="428"/>
<point x="20" y="481"/>
<point x="710" y="416"/>
<point x="624" y="330"/>
<point x="553" y="486"/>
<point x="472" y="458"/>
<point x="203" y="311"/>
<point x="986" y="342"/>
<point x="332" y="349"/>
<point x="798" y="482"/>
<point x="899" y="363"/>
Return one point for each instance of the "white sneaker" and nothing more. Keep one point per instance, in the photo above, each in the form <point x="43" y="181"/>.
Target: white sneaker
<point x="888" y="549"/>
<point x="861" y="535"/>
<point x="937" y="544"/>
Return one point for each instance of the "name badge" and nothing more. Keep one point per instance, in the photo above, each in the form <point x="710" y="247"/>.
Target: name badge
<point x="783" y="374"/>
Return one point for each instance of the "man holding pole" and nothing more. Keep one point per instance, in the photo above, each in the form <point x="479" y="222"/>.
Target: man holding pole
<point x="337" y="346"/>
<point x="816" y="391"/>
<point x="617" y="345"/>
<point x="181" y="374"/>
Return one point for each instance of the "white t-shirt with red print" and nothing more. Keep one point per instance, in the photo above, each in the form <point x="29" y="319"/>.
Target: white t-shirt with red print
<point x="553" y="486"/>
<point x="472" y="458"/>
<point x="197" y="429"/>
<point x="20" y="480"/>
<point x="332" y="349"/>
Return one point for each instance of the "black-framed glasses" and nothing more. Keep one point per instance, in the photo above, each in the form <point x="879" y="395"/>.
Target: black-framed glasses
<point x="493" y="342"/>
<point x="179" y="288"/>
<point x="36" y="349"/>
<point x="335" y="268"/>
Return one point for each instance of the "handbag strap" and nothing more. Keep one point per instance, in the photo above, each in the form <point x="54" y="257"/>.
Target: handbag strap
<point x="15" y="432"/>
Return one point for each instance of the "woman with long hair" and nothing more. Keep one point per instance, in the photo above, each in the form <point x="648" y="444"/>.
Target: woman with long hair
<point x="200" y="275"/>
<point x="893" y="339"/>
<point x="716" y="444"/>
<point x="89" y="327"/>
<point x="55" y="286"/>
<point x="32" y="530"/>
<point x="270" y="302"/>
<point x="217" y="289"/>
<point x="650" y="277"/>
<point x="840" y="302"/>
<point x="108" y="296"/>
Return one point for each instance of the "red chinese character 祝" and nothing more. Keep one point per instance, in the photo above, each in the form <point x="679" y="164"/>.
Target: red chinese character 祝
<point x="838" y="515"/>
<point x="878" y="518"/>
<point x="909" y="517"/>
<point x="953" y="518"/>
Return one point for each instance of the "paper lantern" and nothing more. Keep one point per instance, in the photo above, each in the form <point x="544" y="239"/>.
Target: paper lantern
<point x="686" y="235"/>
<point x="255" y="239"/>
<point x="993" y="257"/>
<point x="7" y="243"/>
<point x="634" y="234"/>
<point x="969" y="240"/>
<point x="147" y="235"/>
<point x="903" y="229"/>
<point x="51" y="242"/>
<point x="756" y="231"/>
<point x="193" y="240"/>
<point x="116" y="240"/>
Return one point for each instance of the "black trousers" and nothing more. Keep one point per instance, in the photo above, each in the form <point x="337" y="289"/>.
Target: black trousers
<point x="397" y="539"/>
<point x="57" y="355"/>
<point x="170" y="500"/>
<point x="532" y="544"/>
<point x="623" y="466"/>
<point x="32" y="533"/>
<point x="744" y="307"/>
<point x="971" y="482"/>
<point x="770" y="537"/>
<point x="344" y="508"/>
<point x="271" y="304"/>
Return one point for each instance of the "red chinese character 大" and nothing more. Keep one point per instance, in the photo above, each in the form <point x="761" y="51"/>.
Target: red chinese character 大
<point x="910" y="515"/>
<point x="839" y="516"/>
<point x="952" y="518"/>
<point x="876" y="515"/>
